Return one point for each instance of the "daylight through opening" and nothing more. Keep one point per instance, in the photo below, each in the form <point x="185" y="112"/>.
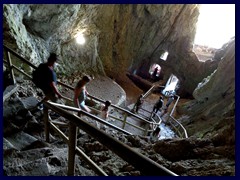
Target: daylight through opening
<point x="216" y="25"/>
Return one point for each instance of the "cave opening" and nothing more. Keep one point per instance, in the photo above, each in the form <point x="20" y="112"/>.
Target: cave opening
<point x="216" y="25"/>
<point x="164" y="56"/>
<point x="155" y="71"/>
<point x="171" y="86"/>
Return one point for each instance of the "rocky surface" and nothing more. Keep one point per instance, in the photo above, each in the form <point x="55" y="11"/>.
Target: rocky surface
<point x="25" y="152"/>
<point x="120" y="38"/>
<point x="214" y="100"/>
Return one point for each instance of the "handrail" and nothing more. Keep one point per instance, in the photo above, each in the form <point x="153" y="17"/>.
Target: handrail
<point x="148" y="92"/>
<point x="128" y="113"/>
<point x="91" y="116"/>
<point x="141" y="162"/>
<point x="94" y="166"/>
<point x="173" y="109"/>
<point x="152" y="167"/>
<point x="20" y="57"/>
<point x="95" y="98"/>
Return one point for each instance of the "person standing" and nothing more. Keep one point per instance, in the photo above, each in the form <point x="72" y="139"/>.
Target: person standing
<point x="138" y="104"/>
<point x="105" y="110"/>
<point x="80" y="93"/>
<point x="155" y="72"/>
<point x="158" y="105"/>
<point x="154" y="136"/>
<point x="48" y="79"/>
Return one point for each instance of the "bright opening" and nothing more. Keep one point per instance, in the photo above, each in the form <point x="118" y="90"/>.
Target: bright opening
<point x="164" y="56"/>
<point x="216" y="25"/>
<point x="152" y="69"/>
<point x="80" y="39"/>
<point x="171" y="86"/>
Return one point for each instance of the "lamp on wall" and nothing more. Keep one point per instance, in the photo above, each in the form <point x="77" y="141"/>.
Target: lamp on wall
<point x="80" y="39"/>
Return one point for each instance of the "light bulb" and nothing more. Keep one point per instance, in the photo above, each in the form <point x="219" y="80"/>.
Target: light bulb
<point x="80" y="39"/>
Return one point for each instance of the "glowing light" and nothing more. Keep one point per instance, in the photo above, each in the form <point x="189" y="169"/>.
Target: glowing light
<point x="164" y="56"/>
<point x="216" y="25"/>
<point x="80" y="39"/>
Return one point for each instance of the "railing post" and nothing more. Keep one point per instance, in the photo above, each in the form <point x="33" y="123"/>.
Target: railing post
<point x="9" y="61"/>
<point x="46" y="123"/>
<point x="72" y="148"/>
<point x="124" y="121"/>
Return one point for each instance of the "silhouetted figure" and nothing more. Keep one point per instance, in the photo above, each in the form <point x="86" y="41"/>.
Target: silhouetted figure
<point x="154" y="75"/>
<point x="105" y="110"/>
<point x="158" y="105"/>
<point x="154" y="136"/>
<point x="138" y="104"/>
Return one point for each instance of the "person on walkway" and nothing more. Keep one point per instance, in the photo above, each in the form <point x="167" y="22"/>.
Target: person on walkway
<point x="158" y="105"/>
<point x="105" y="110"/>
<point x="170" y="100"/>
<point x="154" y="75"/>
<point x="80" y="93"/>
<point x="154" y="136"/>
<point x="48" y="79"/>
<point x="138" y="104"/>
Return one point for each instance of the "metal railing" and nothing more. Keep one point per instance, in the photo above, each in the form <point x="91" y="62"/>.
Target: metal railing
<point x="180" y="130"/>
<point x="183" y="133"/>
<point x="127" y="113"/>
<point x="155" y="168"/>
<point x="139" y="161"/>
<point x="131" y="156"/>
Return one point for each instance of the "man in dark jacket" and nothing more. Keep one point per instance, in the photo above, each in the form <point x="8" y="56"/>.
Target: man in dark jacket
<point x="158" y="105"/>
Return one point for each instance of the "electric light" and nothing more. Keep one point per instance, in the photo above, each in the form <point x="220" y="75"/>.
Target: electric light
<point x="80" y="39"/>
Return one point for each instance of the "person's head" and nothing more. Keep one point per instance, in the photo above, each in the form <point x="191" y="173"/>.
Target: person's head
<point x="160" y="97"/>
<point x="86" y="78"/>
<point x="52" y="58"/>
<point x="82" y="82"/>
<point x="107" y="103"/>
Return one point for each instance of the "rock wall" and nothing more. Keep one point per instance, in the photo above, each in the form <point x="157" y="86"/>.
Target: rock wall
<point x="122" y="38"/>
<point x="214" y="104"/>
<point x="119" y="38"/>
